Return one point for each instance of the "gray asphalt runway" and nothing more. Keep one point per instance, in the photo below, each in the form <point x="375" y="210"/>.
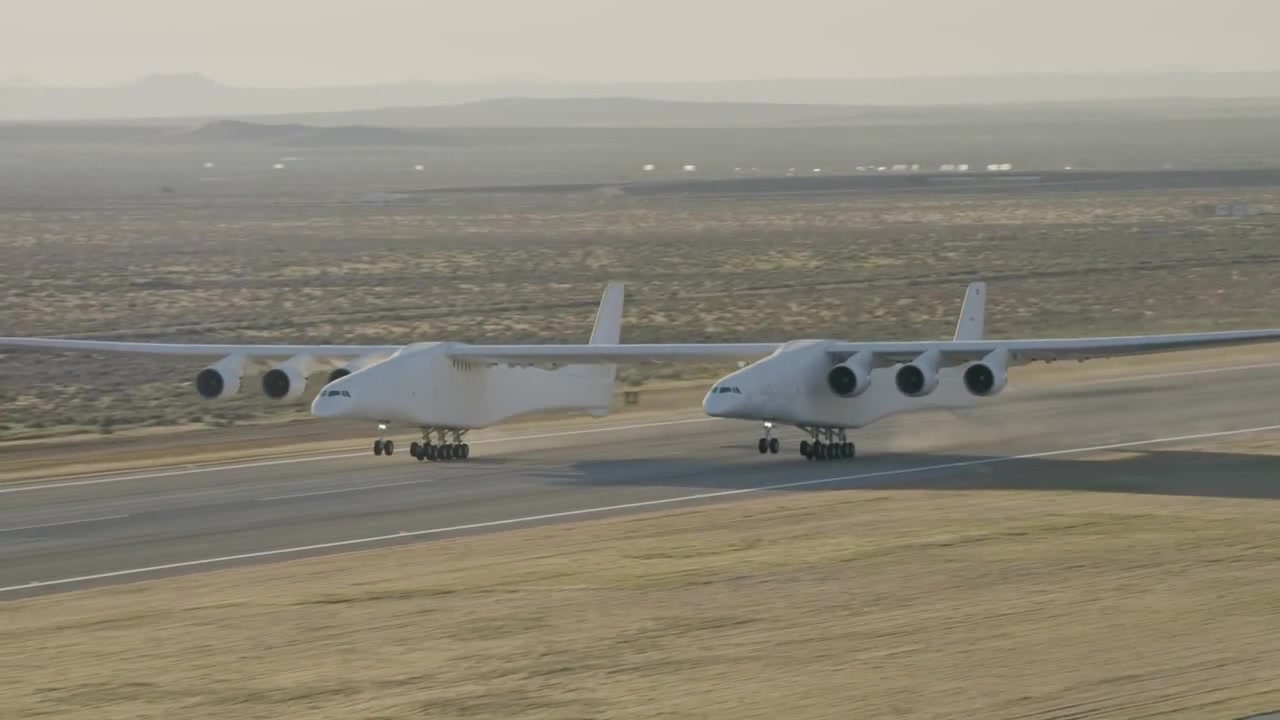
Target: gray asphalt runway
<point x="57" y="536"/>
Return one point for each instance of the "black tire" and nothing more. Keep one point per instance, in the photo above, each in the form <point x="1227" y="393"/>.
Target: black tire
<point x="377" y="447"/>
<point x="466" y="451"/>
<point x="388" y="447"/>
<point x="430" y="452"/>
<point x="805" y="449"/>
<point x="415" y="448"/>
<point x="446" y="452"/>
<point x="773" y="445"/>
<point x="763" y="445"/>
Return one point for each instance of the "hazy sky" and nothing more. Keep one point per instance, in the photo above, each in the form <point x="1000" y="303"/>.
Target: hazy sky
<point x="316" y="42"/>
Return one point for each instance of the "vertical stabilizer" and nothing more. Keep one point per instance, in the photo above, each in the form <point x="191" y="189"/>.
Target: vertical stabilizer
<point x="972" y="312"/>
<point x="598" y="379"/>
<point x="608" y="327"/>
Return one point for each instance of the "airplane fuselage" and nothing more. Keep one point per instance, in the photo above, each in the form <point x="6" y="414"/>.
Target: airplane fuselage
<point x="422" y="386"/>
<point x="790" y="387"/>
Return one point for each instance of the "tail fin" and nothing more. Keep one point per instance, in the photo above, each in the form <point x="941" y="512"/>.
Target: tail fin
<point x="608" y="327"/>
<point x="972" y="312"/>
<point x="607" y="331"/>
<point x="969" y="327"/>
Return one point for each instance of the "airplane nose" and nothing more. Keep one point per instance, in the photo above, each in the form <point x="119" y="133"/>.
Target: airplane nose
<point x="720" y="404"/>
<point x="709" y="404"/>
<point x="331" y="402"/>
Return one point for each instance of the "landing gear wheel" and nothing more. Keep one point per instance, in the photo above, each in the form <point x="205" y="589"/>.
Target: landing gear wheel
<point x="849" y="450"/>
<point x="377" y="447"/>
<point x="773" y="445"/>
<point x="466" y="450"/>
<point x="446" y="452"/>
<point x="388" y="447"/>
<point x="806" y="450"/>
<point x="430" y="452"/>
<point x="415" y="449"/>
<point x="763" y="445"/>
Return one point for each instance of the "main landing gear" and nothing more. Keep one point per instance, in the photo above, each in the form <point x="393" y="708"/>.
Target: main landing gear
<point x="828" y="444"/>
<point x="440" y="450"/>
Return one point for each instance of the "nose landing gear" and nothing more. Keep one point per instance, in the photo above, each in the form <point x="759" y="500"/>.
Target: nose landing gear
<point x="383" y="446"/>
<point x="768" y="443"/>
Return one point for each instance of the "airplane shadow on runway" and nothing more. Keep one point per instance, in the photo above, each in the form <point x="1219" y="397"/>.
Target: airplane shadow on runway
<point x="1192" y="473"/>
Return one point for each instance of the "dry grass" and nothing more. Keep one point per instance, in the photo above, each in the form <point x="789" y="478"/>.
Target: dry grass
<point x="904" y="604"/>
<point x="531" y="270"/>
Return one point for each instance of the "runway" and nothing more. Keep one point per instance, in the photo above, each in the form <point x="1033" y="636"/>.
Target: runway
<point x="60" y="536"/>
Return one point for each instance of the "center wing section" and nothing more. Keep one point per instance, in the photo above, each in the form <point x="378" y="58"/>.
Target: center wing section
<point x="950" y="352"/>
<point x="612" y="353"/>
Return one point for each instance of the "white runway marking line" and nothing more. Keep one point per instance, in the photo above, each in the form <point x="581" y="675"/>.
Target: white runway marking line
<point x="39" y="485"/>
<point x="631" y="506"/>
<point x="95" y="480"/>
<point x="64" y="522"/>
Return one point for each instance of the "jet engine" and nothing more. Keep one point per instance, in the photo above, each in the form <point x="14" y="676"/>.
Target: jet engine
<point x="852" y="377"/>
<point x="920" y="376"/>
<point x="287" y="381"/>
<point x="220" y="380"/>
<point x="988" y="376"/>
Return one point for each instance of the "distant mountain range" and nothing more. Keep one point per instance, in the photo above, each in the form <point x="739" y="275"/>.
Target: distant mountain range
<point x="524" y="120"/>
<point x="497" y="104"/>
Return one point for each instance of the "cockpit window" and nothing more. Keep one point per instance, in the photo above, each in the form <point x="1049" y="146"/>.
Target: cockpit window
<point x="727" y="389"/>
<point x="336" y="393"/>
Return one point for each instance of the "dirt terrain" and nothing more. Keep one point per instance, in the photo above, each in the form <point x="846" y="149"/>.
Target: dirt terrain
<point x="1034" y="602"/>
<point x="532" y="269"/>
<point x="905" y="603"/>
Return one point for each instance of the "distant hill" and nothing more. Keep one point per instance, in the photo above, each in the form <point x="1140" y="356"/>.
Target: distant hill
<point x="604" y="112"/>
<point x="217" y="132"/>
<point x="406" y="125"/>
<point x="299" y="134"/>
<point x="657" y="124"/>
<point x="626" y="112"/>
<point x="194" y="95"/>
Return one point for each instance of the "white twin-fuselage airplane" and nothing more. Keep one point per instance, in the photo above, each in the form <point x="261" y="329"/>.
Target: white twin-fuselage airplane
<point x="823" y="387"/>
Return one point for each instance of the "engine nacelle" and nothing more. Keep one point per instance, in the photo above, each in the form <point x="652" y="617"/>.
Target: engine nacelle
<point x="287" y="381"/>
<point x="920" y="376"/>
<point x="852" y="377"/>
<point x="220" y="380"/>
<point x="989" y="375"/>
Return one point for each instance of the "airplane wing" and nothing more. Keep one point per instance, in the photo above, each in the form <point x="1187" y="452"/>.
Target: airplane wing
<point x="952" y="352"/>
<point x="1021" y="351"/>
<point x="253" y="351"/>
<point x="612" y="353"/>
